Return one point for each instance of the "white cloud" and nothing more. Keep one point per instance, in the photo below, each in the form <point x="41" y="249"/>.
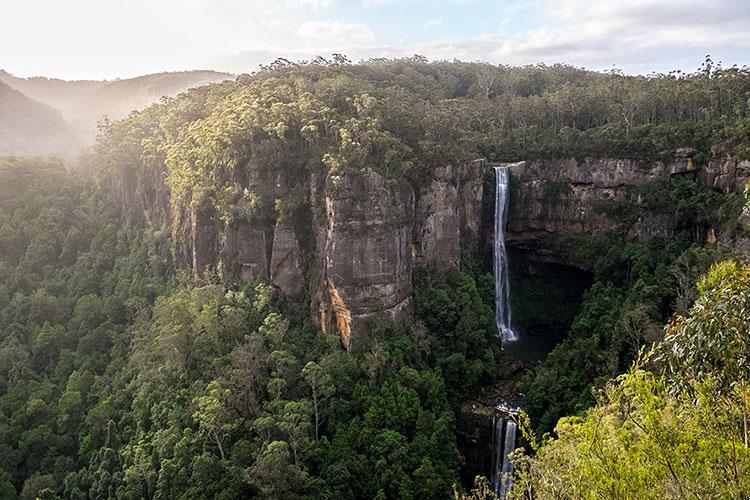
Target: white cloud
<point x="380" y="3"/>
<point x="79" y="38"/>
<point x="335" y="33"/>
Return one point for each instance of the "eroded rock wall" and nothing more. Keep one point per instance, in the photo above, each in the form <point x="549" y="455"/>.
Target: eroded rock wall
<point x="363" y="236"/>
<point x="367" y="251"/>
<point x="567" y="197"/>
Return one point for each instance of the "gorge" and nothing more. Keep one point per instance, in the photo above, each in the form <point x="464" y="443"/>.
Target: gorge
<point x="295" y="284"/>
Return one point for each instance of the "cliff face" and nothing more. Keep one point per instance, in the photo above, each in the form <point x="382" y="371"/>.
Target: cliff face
<point x="362" y="238"/>
<point x="366" y="256"/>
<point x="567" y="197"/>
<point x="570" y="198"/>
<point x="448" y="215"/>
<point x="353" y="239"/>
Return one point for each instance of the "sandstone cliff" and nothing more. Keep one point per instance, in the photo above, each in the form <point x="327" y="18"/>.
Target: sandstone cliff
<point x="350" y="240"/>
<point x="569" y="197"/>
<point x="353" y="248"/>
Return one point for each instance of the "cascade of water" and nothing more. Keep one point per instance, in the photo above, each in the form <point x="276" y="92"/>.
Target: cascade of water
<point x="502" y="285"/>
<point x="506" y="473"/>
<point x="497" y="440"/>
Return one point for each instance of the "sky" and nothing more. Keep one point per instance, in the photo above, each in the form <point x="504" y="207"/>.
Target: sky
<point x="98" y="39"/>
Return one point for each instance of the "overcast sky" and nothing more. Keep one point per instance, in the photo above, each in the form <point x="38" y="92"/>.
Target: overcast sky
<point x="76" y="39"/>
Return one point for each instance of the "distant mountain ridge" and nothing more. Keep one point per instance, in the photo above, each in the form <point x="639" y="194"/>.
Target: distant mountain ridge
<point x="31" y="128"/>
<point x="75" y="107"/>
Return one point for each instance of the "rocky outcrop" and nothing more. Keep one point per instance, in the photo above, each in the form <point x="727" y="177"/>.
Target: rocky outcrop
<point x="286" y="260"/>
<point x="726" y="174"/>
<point x="437" y="235"/>
<point x="244" y="250"/>
<point x="470" y="195"/>
<point x="354" y="250"/>
<point x="367" y="252"/>
<point x="448" y="215"/>
<point x="567" y="197"/>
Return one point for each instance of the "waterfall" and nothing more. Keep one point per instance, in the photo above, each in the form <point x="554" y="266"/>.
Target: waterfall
<point x="502" y="285"/>
<point x="506" y="475"/>
<point x="504" y="442"/>
<point x="497" y="456"/>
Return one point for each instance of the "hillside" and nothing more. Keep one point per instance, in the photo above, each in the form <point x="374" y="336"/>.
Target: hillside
<point x="82" y="104"/>
<point x="52" y="91"/>
<point x="29" y="127"/>
<point x="116" y="99"/>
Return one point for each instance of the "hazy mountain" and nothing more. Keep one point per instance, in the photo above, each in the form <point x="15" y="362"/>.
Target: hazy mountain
<point x="79" y="105"/>
<point x="55" y="92"/>
<point x="29" y="127"/>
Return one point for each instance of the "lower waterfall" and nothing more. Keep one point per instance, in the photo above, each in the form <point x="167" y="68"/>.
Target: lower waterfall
<point x="502" y="284"/>
<point x="504" y="442"/>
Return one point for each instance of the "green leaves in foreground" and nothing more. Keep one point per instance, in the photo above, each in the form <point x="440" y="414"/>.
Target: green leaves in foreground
<point x="672" y="434"/>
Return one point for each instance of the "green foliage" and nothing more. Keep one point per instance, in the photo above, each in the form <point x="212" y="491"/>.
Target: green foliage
<point x="652" y="435"/>
<point x="713" y="341"/>
<point x="121" y="381"/>
<point x="458" y="311"/>
<point x="634" y="289"/>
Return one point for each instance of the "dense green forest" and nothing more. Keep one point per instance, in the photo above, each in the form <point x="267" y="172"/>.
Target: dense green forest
<point x="122" y="375"/>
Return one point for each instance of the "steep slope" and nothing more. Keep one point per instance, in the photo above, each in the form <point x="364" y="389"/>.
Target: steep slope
<point x="116" y="99"/>
<point x="83" y="103"/>
<point x="28" y="127"/>
<point x="86" y="101"/>
<point x="53" y="91"/>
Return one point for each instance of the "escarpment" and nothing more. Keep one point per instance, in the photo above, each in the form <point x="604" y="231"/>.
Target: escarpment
<point x="366" y="255"/>
<point x="563" y="198"/>
<point x="349" y="240"/>
<point x="569" y="197"/>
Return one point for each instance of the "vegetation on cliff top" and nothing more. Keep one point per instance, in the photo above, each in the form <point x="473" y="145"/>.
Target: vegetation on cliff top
<point x="405" y="117"/>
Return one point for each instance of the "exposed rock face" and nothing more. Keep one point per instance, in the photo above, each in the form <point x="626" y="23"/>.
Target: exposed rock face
<point x="243" y="251"/>
<point x="367" y="251"/>
<point x="203" y="240"/>
<point x="247" y="239"/>
<point x="286" y="263"/>
<point x="437" y="235"/>
<point x="371" y="231"/>
<point x="555" y="198"/>
<point x="470" y="193"/>
<point x="565" y="197"/>
<point x="448" y="215"/>
<point x="354" y="251"/>
<point x="726" y="174"/>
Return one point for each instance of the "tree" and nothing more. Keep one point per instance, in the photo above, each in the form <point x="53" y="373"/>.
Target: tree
<point x="275" y="476"/>
<point x="214" y="419"/>
<point x="6" y="486"/>
<point x="247" y="375"/>
<point x="322" y="388"/>
<point x="295" y="423"/>
<point x="713" y="340"/>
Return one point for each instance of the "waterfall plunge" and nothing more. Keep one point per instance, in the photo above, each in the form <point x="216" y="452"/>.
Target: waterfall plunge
<point x="504" y="442"/>
<point x="502" y="286"/>
<point x="506" y="473"/>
